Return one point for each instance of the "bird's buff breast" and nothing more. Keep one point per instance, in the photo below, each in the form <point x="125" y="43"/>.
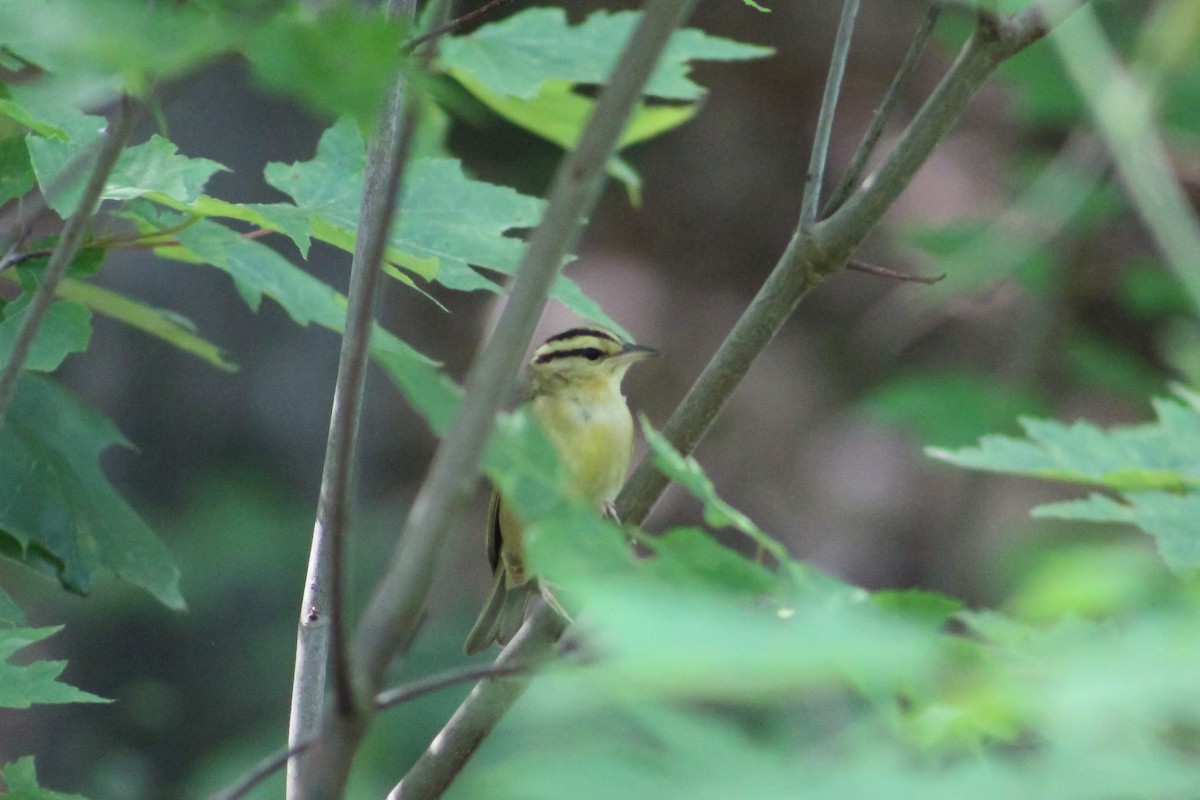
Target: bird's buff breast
<point x="594" y="442"/>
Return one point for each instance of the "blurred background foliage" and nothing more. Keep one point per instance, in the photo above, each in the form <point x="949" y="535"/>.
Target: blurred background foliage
<point x="1055" y="303"/>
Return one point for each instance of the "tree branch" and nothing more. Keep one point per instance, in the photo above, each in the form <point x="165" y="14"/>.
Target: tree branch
<point x="489" y="700"/>
<point x="454" y="24"/>
<point x="322" y="609"/>
<point x="833" y="86"/>
<point x="396" y="604"/>
<point x="383" y="701"/>
<point x="866" y="148"/>
<point x="68" y="245"/>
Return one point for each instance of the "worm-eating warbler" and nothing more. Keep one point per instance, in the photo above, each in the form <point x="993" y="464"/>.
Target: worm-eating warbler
<point x="575" y="394"/>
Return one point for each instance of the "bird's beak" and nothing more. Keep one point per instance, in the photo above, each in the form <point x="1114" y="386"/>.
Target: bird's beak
<point x="631" y="352"/>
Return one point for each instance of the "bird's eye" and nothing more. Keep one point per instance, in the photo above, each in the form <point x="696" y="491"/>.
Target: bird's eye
<point x="592" y="354"/>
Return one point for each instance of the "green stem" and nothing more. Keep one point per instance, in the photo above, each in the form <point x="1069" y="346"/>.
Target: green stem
<point x="68" y="246"/>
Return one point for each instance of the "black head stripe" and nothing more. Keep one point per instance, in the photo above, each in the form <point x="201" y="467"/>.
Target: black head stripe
<point x="599" y="333"/>
<point x="590" y="353"/>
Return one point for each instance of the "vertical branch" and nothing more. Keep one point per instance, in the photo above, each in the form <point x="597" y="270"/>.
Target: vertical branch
<point x="68" y="245"/>
<point x="833" y="87"/>
<point x="322" y="624"/>
<point x="870" y="140"/>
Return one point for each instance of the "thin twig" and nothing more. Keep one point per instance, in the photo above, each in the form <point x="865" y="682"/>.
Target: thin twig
<point x="67" y="247"/>
<point x="383" y="701"/>
<point x="870" y="140"/>
<point x="833" y="87"/>
<point x="475" y="717"/>
<point x="322" y="625"/>
<point x="884" y="272"/>
<point x="12" y="258"/>
<point x="453" y="24"/>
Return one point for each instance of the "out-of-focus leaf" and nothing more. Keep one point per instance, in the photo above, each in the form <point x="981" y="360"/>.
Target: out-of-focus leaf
<point x="306" y="57"/>
<point x="1122" y="105"/>
<point x="10" y="613"/>
<point x="1148" y="291"/>
<point x="21" y="687"/>
<point x="65" y="329"/>
<point x="58" y="512"/>
<point x="1103" y="364"/>
<point x="687" y="472"/>
<point x="16" y="173"/>
<point x="1092" y="579"/>
<point x="166" y="325"/>
<point x="928" y="607"/>
<point x="692" y="557"/>
<point x="1172" y="519"/>
<point x="112" y="44"/>
<point x="517" y="55"/>
<point x="21" y="779"/>
<point x="950" y="409"/>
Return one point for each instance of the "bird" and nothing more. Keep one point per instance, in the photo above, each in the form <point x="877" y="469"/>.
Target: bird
<point x="574" y="393"/>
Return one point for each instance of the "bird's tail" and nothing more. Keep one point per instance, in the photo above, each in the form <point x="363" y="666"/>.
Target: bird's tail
<point x="502" y="615"/>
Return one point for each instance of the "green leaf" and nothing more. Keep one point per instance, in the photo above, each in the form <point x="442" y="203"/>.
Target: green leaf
<point x="447" y="224"/>
<point x="58" y="511"/>
<point x="929" y="607"/>
<point x="16" y="173"/>
<point x="688" y="473"/>
<point x="306" y="57"/>
<point x="152" y="169"/>
<point x="21" y="779"/>
<point x="691" y="556"/>
<point x="1161" y="455"/>
<point x="679" y="642"/>
<point x="21" y="687"/>
<point x="103" y="45"/>
<point x="517" y="55"/>
<point x="166" y="325"/>
<point x="65" y="329"/>
<point x="558" y="113"/>
<point x="10" y="613"/>
<point x="1172" y="519"/>
<point x="258" y="270"/>
<point x="444" y="219"/>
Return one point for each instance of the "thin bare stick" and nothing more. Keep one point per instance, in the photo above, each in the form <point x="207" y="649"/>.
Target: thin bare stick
<point x="396" y="604"/>
<point x="69" y="242"/>
<point x="383" y="701"/>
<point x="833" y="88"/>
<point x="454" y="24"/>
<point x="870" y="140"/>
<point x="488" y="701"/>
<point x="891" y="274"/>
<point x="322" y="627"/>
<point x="13" y="257"/>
